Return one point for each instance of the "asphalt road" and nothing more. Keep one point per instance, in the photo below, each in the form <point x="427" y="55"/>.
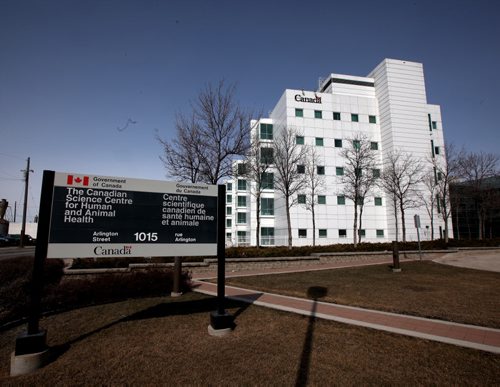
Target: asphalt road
<point x="13" y="252"/>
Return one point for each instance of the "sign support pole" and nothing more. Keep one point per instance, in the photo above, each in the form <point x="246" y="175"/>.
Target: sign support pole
<point x="221" y="322"/>
<point x="31" y="347"/>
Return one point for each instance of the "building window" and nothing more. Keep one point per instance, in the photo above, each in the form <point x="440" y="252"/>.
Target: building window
<point x="320" y="170"/>
<point x="242" y="185"/>
<point x="361" y="232"/>
<point x="321" y="199"/>
<point x="336" y="116"/>
<point x="301" y="199"/>
<point x="266" y="131"/>
<point x="322" y="233"/>
<point x="242" y="201"/>
<point x="436" y="150"/>
<point x="430" y="122"/>
<point x="267" y="180"/>
<point x="342" y="233"/>
<point x="432" y="148"/>
<point x="318" y="114"/>
<point x="356" y="144"/>
<point x="242" y="217"/>
<point x="301" y="169"/>
<point x="374" y="145"/>
<point x="242" y="237"/>
<point x="354" y="118"/>
<point x="299" y="112"/>
<point x="229" y="210"/>
<point x="380" y="233"/>
<point x="319" y="141"/>
<point x="299" y="140"/>
<point x="372" y="119"/>
<point x="229" y="199"/>
<point x="266" y="155"/>
<point x="242" y="169"/>
<point x="434" y="125"/>
<point x="358" y="172"/>
<point x="267" y="206"/>
<point x="376" y="173"/>
<point x="339" y="171"/>
<point x="439" y="176"/>
<point x="341" y="200"/>
<point x="229" y="186"/>
<point x="228" y="236"/>
<point x="378" y="201"/>
<point x="267" y="236"/>
<point x="338" y="143"/>
<point x="302" y="233"/>
<point x="229" y="222"/>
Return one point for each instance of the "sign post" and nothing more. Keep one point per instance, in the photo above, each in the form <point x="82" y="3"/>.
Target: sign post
<point x="31" y="351"/>
<point x="416" y="218"/>
<point x="221" y="322"/>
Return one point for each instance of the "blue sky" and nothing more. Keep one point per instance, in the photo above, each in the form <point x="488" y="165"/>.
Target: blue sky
<point x="72" y="72"/>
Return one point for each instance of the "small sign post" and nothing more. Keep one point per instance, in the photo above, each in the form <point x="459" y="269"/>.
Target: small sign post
<point x="416" y="218"/>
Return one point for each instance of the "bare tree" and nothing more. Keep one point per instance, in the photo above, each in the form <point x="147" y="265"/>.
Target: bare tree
<point x="209" y="139"/>
<point x="181" y="155"/>
<point x="430" y="194"/>
<point x="400" y="179"/>
<point x="360" y="173"/>
<point x="314" y="185"/>
<point x="289" y="164"/>
<point x="446" y="172"/>
<point x="257" y="166"/>
<point x="476" y="168"/>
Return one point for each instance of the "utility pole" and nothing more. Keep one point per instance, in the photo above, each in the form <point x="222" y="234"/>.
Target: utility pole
<point x="25" y="207"/>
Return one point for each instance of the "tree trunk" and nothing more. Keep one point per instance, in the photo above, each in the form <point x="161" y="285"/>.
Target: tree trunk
<point x="355" y="224"/>
<point x="314" y="224"/>
<point x="432" y="226"/>
<point x="360" y="222"/>
<point x="289" y="225"/>
<point x="403" y="225"/>
<point x="445" y="218"/>
<point x="396" y="217"/>
<point x="257" y="232"/>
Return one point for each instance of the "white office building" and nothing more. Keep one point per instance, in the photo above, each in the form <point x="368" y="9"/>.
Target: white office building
<point x="389" y="106"/>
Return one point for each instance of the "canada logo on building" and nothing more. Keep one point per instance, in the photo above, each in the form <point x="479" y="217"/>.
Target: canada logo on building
<point x="77" y="180"/>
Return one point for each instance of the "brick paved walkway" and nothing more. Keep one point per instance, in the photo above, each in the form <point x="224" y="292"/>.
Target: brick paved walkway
<point x="486" y="339"/>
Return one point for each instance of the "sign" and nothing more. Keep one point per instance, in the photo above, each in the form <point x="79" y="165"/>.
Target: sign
<point x="416" y="218"/>
<point x="300" y="98"/>
<point x="100" y="216"/>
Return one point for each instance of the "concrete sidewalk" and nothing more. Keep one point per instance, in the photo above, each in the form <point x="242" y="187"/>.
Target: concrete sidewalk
<point x="482" y="338"/>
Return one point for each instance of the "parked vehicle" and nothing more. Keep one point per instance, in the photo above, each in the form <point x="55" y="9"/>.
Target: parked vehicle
<point x="5" y="241"/>
<point x="15" y="240"/>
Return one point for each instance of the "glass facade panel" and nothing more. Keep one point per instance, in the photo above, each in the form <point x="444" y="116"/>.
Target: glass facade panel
<point x="266" y="131"/>
<point x="267" y="236"/>
<point x="267" y="206"/>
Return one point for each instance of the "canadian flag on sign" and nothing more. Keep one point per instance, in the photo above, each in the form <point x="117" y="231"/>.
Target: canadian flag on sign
<point x="77" y="180"/>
